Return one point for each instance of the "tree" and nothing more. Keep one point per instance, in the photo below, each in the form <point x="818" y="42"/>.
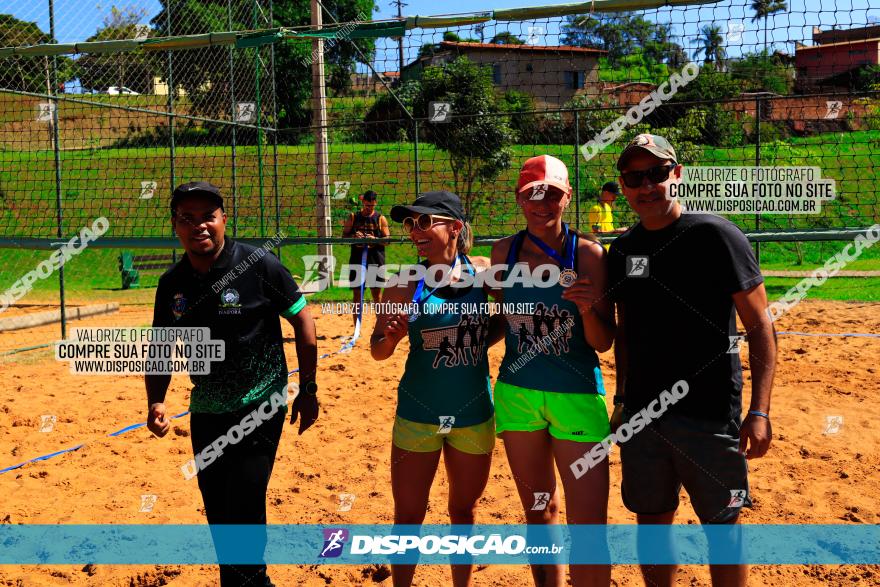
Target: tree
<point x="620" y="34"/>
<point x="28" y="74"/>
<point x="869" y="79"/>
<point x="429" y="49"/>
<point x="712" y="48"/>
<point x="760" y="72"/>
<point x="520" y="106"/>
<point x="134" y="70"/>
<point x="709" y="85"/>
<point x="476" y="138"/>
<point x="633" y="67"/>
<point x="763" y="9"/>
<point x="205" y="72"/>
<point x="506" y="38"/>
<point x="455" y="38"/>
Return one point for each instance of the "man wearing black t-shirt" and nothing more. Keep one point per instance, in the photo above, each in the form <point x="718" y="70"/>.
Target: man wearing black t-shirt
<point x="678" y="281"/>
<point x="238" y="409"/>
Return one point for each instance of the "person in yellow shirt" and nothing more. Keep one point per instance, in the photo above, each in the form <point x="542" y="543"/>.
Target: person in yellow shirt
<point x="601" y="219"/>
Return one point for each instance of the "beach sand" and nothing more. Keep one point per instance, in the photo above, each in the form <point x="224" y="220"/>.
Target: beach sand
<point x="809" y="476"/>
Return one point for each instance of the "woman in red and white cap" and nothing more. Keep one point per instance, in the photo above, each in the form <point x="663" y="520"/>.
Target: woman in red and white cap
<point x="549" y="394"/>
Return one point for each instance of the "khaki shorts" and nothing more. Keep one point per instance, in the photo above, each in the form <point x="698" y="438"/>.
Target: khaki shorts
<point x="478" y="439"/>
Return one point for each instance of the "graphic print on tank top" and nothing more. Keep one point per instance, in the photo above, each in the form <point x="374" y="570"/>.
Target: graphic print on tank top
<point x="453" y="344"/>
<point x="533" y="331"/>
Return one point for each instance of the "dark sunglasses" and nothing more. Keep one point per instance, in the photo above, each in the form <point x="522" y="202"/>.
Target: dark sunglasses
<point x="424" y="222"/>
<point x="659" y="174"/>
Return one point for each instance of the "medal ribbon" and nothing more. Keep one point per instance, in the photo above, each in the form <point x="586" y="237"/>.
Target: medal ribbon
<point x="568" y="246"/>
<point x="417" y="296"/>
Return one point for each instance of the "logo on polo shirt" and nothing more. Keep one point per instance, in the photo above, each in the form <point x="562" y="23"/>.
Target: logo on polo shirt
<point x="229" y="302"/>
<point x="178" y="306"/>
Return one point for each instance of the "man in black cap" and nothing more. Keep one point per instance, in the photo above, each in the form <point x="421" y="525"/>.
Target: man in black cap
<point x="601" y="217"/>
<point x="366" y="223"/>
<point x="239" y="292"/>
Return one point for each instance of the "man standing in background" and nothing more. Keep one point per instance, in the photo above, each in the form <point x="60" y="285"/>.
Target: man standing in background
<point x="366" y="223"/>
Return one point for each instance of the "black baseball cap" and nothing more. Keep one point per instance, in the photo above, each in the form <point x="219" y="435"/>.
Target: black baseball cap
<point x="370" y="195"/>
<point x="201" y="188"/>
<point x="445" y="203"/>
<point x="612" y="187"/>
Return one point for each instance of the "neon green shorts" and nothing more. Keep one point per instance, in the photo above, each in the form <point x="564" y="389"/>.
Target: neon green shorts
<point x="417" y="437"/>
<point x="581" y="417"/>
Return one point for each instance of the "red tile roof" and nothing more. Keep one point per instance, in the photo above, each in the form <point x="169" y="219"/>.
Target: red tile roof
<point x="839" y="44"/>
<point x="525" y="47"/>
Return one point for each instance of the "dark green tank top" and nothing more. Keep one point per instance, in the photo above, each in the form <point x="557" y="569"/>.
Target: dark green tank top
<point x="447" y="370"/>
<point x="547" y="350"/>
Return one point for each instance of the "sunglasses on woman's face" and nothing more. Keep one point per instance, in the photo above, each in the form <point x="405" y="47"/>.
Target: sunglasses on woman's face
<point x="424" y="222"/>
<point x="659" y="174"/>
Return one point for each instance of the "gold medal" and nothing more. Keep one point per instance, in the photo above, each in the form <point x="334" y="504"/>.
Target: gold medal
<point x="567" y="277"/>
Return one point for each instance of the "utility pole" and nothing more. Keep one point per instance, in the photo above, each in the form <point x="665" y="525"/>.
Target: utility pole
<point x="400" y="4"/>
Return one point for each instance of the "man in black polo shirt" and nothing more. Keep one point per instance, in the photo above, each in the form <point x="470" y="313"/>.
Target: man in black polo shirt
<point x="239" y="292"/>
<point x="678" y="281"/>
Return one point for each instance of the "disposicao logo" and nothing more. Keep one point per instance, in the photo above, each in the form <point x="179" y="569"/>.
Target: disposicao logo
<point x="334" y="541"/>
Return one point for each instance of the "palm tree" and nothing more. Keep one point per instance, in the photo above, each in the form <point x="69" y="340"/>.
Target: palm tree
<point x="712" y="46"/>
<point x="763" y="9"/>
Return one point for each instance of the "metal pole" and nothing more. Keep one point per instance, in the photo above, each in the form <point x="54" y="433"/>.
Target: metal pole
<point x="53" y="82"/>
<point x="234" y="127"/>
<point x="758" y="164"/>
<point x="259" y="127"/>
<point x="416" y="155"/>
<point x="577" y="171"/>
<point x="319" y="107"/>
<point x="171" y="90"/>
<point x="400" y="43"/>
<point x="275" y="129"/>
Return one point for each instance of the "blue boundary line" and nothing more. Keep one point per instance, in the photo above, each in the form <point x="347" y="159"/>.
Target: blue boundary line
<point x="346" y="347"/>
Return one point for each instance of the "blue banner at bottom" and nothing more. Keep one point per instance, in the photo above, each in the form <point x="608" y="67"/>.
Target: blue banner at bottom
<point x="440" y="544"/>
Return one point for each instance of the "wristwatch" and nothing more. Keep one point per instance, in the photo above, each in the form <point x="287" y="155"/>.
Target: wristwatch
<point x="310" y="388"/>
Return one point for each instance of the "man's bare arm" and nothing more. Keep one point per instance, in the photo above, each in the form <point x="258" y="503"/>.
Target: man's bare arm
<point x="306" y="344"/>
<point x="751" y="305"/>
<point x="157" y="387"/>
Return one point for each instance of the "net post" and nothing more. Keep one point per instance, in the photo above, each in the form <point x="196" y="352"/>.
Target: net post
<point x="171" y="90"/>
<point x="577" y="171"/>
<point x="275" y="129"/>
<point x="319" y="108"/>
<point x="259" y="107"/>
<point x="758" y="164"/>
<point x="234" y="125"/>
<point x="416" y="155"/>
<point x="51" y="82"/>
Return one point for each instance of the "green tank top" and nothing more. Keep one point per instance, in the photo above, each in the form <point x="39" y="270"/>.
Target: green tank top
<point x="546" y="350"/>
<point x="447" y="370"/>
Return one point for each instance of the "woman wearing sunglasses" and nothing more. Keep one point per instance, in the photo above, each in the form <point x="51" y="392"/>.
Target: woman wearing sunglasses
<point x="443" y="399"/>
<point x="549" y="394"/>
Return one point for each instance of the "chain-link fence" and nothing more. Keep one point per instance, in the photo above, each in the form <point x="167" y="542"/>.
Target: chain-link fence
<point x="222" y="90"/>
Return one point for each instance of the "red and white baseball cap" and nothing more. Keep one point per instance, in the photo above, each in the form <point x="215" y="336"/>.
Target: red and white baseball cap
<point x="543" y="170"/>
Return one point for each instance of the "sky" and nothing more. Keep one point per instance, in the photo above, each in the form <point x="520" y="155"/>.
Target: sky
<point x="78" y="19"/>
